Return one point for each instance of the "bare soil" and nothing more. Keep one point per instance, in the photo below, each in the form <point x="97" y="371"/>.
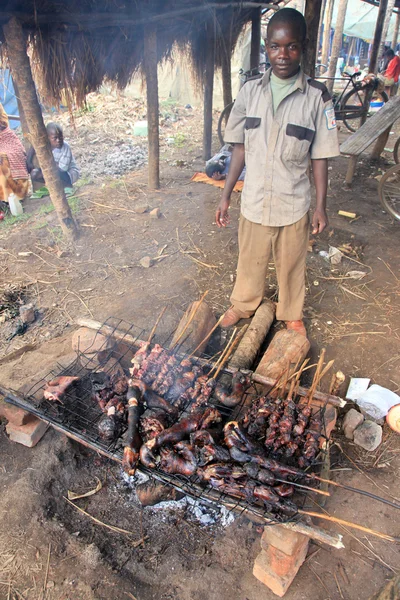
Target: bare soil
<point x="48" y="549"/>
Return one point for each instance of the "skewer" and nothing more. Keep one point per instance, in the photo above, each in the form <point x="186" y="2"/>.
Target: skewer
<point x="221" y="358"/>
<point x="314" y="384"/>
<point x="230" y="349"/>
<point x="378" y="534"/>
<point x="207" y="336"/>
<point x="152" y="332"/>
<point x="304" y="487"/>
<point x="190" y="319"/>
<point x="355" y="490"/>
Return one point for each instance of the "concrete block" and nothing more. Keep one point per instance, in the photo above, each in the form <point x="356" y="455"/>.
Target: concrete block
<point x="29" y="434"/>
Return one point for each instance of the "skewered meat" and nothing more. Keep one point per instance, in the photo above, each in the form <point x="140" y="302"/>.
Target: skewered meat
<point x="285" y="490"/>
<point x="212" y="452"/>
<point x="239" y="385"/>
<point x="133" y="439"/>
<point x="180" y="461"/>
<point x="57" y="387"/>
<point x="153" y="422"/>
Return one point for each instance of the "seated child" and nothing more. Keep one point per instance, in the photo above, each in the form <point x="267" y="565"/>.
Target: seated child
<point x="67" y="169"/>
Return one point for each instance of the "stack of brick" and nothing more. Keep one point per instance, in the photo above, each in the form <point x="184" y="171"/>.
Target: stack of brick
<point x="282" y="553"/>
<point x="22" y="427"/>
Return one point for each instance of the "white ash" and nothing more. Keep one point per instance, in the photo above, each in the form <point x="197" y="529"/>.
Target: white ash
<point x="99" y="161"/>
<point x="205" y="513"/>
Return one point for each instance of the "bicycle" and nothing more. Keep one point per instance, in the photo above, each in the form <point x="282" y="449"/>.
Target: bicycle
<point x="389" y="186"/>
<point x="354" y="106"/>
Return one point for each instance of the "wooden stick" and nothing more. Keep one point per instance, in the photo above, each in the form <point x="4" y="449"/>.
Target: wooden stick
<point x="190" y="319"/>
<point x="356" y="491"/>
<point x="231" y="349"/>
<point x="152" y="332"/>
<point x="313" y="386"/>
<point x="304" y="487"/>
<point x="383" y="536"/>
<point x="203" y="341"/>
<point x="216" y="366"/>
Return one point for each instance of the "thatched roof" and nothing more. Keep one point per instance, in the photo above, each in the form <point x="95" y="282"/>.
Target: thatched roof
<point x="77" y="44"/>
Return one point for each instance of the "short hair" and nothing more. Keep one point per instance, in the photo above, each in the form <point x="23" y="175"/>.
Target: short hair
<point x="54" y="127"/>
<point x="213" y="167"/>
<point x="389" y="53"/>
<point x="289" y="16"/>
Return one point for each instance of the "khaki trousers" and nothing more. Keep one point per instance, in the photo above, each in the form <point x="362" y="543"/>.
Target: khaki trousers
<point x="288" y="245"/>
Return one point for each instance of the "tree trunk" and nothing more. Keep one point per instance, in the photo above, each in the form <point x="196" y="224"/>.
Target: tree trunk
<point x="396" y="32"/>
<point x="386" y="23"/>
<point x="150" y="69"/>
<point x="326" y="40"/>
<point x="208" y="93"/>
<point x="255" y="38"/>
<point x="373" y="61"/>
<point x="24" y="125"/>
<point x="311" y="14"/>
<point x="321" y="22"/>
<point x="22" y="75"/>
<point x="227" y="72"/>
<point x="337" y="41"/>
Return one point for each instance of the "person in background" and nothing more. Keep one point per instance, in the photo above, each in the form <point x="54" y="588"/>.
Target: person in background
<point x="218" y="166"/>
<point x="14" y="177"/>
<point x="392" y="72"/>
<point x="277" y="124"/>
<point x="67" y="169"/>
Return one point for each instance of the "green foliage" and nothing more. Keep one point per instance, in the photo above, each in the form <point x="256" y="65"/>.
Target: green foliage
<point x="179" y="140"/>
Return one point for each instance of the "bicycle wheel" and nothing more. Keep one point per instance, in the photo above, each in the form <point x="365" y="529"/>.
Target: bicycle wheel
<point x="354" y="110"/>
<point x="396" y="152"/>
<point x="222" y="122"/>
<point x="389" y="191"/>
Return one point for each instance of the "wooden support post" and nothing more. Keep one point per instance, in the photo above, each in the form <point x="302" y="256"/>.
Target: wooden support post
<point x="22" y="75"/>
<point x="255" y="38"/>
<point x="320" y="26"/>
<point x="24" y="125"/>
<point x="380" y="144"/>
<point x="311" y="14"/>
<point x="351" y="169"/>
<point x="150" y="69"/>
<point x="337" y="42"/>
<point x="396" y="31"/>
<point x="208" y="92"/>
<point x="326" y="38"/>
<point x="385" y="28"/>
<point x="226" y="71"/>
<point x="373" y="61"/>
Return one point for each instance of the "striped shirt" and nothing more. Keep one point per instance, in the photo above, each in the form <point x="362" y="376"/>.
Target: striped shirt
<point x="65" y="161"/>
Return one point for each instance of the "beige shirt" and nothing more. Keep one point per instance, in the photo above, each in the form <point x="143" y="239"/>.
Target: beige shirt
<point x="276" y="189"/>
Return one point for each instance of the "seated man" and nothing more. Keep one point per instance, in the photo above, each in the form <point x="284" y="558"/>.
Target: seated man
<point x="392" y="72"/>
<point x="14" y="178"/>
<point x="218" y="166"/>
<point x="67" y="169"/>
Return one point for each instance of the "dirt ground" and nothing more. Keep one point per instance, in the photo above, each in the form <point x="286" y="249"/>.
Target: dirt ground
<point x="48" y="549"/>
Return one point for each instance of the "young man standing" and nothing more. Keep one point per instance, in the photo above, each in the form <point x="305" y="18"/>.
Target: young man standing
<point x="277" y="123"/>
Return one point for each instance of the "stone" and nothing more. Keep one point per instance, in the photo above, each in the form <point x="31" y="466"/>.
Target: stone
<point x="13" y="414"/>
<point x="28" y="435"/>
<point x="27" y="313"/>
<point x="351" y="421"/>
<point x="368" y="435"/>
<point x="141" y="208"/>
<point x="92" y="346"/>
<point x="155" y="213"/>
<point x="282" y="538"/>
<point x="146" y="262"/>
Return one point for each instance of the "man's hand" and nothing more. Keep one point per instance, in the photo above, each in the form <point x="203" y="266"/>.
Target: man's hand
<point x="221" y="216"/>
<point x="319" y="220"/>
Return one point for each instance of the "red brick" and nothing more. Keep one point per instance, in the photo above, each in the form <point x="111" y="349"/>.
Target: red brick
<point x="14" y="415"/>
<point x="283" y="539"/>
<point x="29" y="434"/>
<point x="266" y="563"/>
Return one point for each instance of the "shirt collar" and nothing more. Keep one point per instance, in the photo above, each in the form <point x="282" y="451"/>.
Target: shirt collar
<point x="300" y="83"/>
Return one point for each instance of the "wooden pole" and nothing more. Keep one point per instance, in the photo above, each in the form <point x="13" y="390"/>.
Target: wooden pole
<point x="326" y="39"/>
<point x="337" y="42"/>
<point x="22" y="119"/>
<point x="255" y="38"/>
<point x="150" y="69"/>
<point x="396" y="32"/>
<point x="385" y="28"/>
<point x="312" y="16"/>
<point x="226" y="71"/>
<point x="380" y="144"/>
<point x="22" y="76"/>
<point x="373" y="61"/>
<point x="208" y="91"/>
<point x="321" y="23"/>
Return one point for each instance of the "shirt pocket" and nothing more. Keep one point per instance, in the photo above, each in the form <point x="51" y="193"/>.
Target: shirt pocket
<point x="298" y="141"/>
<point x="251" y="130"/>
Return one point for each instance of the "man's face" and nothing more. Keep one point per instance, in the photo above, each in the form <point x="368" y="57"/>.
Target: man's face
<point x="284" y="50"/>
<point x="56" y="139"/>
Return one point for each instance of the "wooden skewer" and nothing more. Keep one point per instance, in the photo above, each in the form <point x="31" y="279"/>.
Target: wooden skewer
<point x="203" y="341"/>
<point x="230" y="350"/>
<point x="190" y="319"/>
<point x="314" y="384"/>
<point x="355" y="490"/>
<point x="152" y="332"/>
<point x="383" y="536"/>
<point x="221" y="358"/>
<point x="304" y="487"/>
<point x="298" y="375"/>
